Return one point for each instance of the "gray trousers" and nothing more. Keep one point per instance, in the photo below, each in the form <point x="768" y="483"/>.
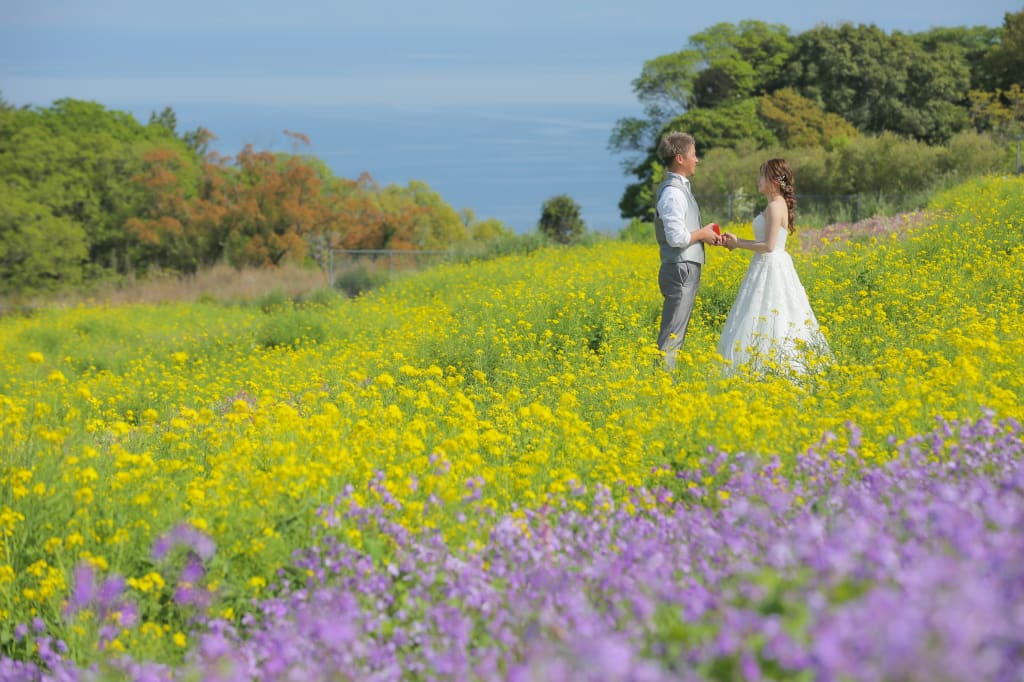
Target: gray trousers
<point x="678" y="283"/>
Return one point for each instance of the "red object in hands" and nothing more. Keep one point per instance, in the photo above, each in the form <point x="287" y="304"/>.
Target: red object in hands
<point x="714" y="226"/>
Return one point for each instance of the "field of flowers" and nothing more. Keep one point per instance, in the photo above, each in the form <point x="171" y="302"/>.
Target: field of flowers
<point x="483" y="471"/>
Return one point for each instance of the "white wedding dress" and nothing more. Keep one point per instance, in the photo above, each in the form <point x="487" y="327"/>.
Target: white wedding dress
<point x="771" y="324"/>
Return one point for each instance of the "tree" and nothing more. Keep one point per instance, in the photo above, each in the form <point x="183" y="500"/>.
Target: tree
<point x="723" y="66"/>
<point x="740" y="61"/>
<point x="483" y="230"/>
<point x="796" y="121"/>
<point x="560" y="219"/>
<point x="999" y="112"/>
<point x="78" y="159"/>
<point x="880" y="82"/>
<point x="973" y="44"/>
<point x="435" y="224"/>
<point x="166" y="227"/>
<point x="38" y="250"/>
<point x="1005" y="61"/>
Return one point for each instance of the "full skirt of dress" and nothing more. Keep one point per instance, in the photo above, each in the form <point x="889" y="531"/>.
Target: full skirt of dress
<point x="771" y="324"/>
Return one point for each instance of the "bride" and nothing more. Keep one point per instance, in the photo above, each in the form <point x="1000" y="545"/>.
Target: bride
<point x="771" y="322"/>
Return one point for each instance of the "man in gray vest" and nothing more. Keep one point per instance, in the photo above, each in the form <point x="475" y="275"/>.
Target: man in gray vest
<point x="681" y="240"/>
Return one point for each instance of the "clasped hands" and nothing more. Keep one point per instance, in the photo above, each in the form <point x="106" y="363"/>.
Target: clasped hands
<point x="719" y="238"/>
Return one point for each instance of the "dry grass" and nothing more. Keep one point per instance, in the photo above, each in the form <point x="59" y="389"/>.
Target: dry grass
<point x="221" y="283"/>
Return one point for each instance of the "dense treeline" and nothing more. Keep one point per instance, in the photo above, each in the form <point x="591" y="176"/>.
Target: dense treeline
<point x="863" y="110"/>
<point x="88" y="193"/>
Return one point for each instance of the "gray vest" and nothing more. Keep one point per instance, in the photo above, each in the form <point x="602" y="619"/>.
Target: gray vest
<point x="673" y="254"/>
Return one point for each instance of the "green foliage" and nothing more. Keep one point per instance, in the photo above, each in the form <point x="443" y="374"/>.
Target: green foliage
<point x="1000" y="112"/>
<point x="851" y="180"/>
<point x="39" y="251"/>
<point x="436" y="225"/>
<point x="724" y="126"/>
<point x="482" y="230"/>
<point x="741" y="60"/>
<point x="827" y="87"/>
<point x="796" y="121"/>
<point x="1005" y="61"/>
<point x="724" y="65"/>
<point x="972" y="44"/>
<point x="77" y="161"/>
<point x="506" y="243"/>
<point x="560" y="220"/>
<point x="881" y="82"/>
<point x="359" y="279"/>
<point x="665" y="83"/>
<point x="639" y="231"/>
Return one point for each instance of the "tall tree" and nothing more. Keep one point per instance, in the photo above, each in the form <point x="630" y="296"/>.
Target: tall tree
<point x="741" y="61"/>
<point x="974" y="44"/>
<point x="723" y="65"/>
<point x="881" y="82"/>
<point x="1005" y="61"/>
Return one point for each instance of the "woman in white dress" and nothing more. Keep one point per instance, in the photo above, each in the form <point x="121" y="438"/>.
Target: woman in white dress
<point x="771" y="323"/>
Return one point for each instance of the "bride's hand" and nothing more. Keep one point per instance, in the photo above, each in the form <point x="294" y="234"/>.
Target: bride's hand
<point x="729" y="240"/>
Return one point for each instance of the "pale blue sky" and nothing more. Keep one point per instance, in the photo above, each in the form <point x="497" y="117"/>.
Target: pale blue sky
<point x="524" y="73"/>
<point x="401" y="53"/>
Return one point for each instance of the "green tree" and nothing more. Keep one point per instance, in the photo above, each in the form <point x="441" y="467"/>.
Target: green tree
<point x="1000" y="112"/>
<point x="561" y="220"/>
<point x="78" y="159"/>
<point x="740" y="61"/>
<point x="974" y="44"/>
<point x="1005" y="61"/>
<point x="881" y="82"/>
<point x="723" y="66"/>
<point x="435" y="224"/>
<point x="39" y="251"/>
<point x="483" y="230"/>
<point x="796" y="121"/>
<point x="724" y="126"/>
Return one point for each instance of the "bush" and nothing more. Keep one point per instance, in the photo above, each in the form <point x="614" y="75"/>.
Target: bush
<point x="360" y="279"/>
<point x="638" y="231"/>
<point x="560" y="219"/>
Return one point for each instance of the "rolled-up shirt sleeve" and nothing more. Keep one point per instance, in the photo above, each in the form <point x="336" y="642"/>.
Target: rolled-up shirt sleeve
<point x="672" y="209"/>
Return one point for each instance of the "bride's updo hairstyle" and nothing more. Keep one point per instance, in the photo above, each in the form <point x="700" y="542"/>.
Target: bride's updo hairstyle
<point x="778" y="172"/>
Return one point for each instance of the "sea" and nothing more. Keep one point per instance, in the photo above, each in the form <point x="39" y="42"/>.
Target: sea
<point x="499" y="163"/>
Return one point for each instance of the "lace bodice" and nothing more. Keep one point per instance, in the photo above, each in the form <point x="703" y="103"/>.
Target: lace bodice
<point x="761" y="233"/>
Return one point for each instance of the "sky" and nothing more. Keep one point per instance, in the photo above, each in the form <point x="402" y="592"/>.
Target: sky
<point x="496" y="106"/>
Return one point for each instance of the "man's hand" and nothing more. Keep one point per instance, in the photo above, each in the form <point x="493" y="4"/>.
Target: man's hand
<point x="709" y="234"/>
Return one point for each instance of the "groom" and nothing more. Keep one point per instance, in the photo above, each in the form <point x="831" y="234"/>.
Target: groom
<point x="681" y="240"/>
